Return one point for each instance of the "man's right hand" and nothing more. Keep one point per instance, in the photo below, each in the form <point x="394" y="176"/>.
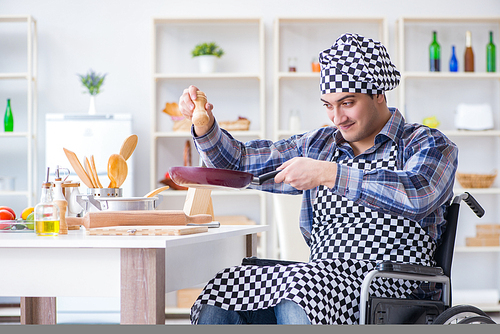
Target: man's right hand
<point x="186" y="107"/>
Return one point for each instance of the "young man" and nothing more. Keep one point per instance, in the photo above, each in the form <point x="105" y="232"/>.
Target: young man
<point x="374" y="188"/>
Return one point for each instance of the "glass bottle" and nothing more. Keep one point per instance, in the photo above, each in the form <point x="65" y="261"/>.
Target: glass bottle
<point x="469" y="54"/>
<point x="47" y="213"/>
<point x="8" y="120"/>
<point x="434" y="54"/>
<point x="491" y="55"/>
<point x="453" y="60"/>
<point x="292" y="64"/>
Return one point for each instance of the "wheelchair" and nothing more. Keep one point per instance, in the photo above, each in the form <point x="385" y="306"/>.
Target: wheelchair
<point x="381" y="310"/>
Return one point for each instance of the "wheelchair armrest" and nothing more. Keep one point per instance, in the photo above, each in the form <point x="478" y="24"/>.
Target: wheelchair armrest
<point x="255" y="261"/>
<point x="387" y="266"/>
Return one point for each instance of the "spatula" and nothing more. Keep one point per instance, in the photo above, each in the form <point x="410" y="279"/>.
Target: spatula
<point x="94" y="172"/>
<point x="88" y="169"/>
<point x="77" y="166"/>
<point x="128" y="147"/>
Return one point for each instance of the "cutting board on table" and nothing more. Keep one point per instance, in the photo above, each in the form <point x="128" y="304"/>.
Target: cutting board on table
<point x="147" y="230"/>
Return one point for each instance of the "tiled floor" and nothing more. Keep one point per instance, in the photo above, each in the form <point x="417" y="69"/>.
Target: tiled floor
<point x="10" y="316"/>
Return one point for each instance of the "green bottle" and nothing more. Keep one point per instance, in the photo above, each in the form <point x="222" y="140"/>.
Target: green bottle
<point x="434" y="54"/>
<point x="491" y="55"/>
<point x="8" y="120"/>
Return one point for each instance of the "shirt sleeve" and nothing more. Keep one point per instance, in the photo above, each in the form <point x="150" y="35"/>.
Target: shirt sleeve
<point x="420" y="187"/>
<point x="220" y="150"/>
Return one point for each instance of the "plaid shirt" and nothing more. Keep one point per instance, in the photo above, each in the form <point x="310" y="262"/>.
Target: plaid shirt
<point x="419" y="190"/>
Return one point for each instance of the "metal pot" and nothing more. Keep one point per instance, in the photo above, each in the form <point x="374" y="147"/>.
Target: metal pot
<point x="91" y="203"/>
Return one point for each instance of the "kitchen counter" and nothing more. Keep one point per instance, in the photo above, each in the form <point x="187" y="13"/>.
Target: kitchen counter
<point x="139" y="269"/>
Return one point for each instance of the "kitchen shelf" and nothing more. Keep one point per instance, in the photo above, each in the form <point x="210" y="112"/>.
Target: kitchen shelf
<point x="465" y="249"/>
<point x="183" y="134"/>
<point x="27" y="112"/>
<point x="239" y="77"/>
<point x="423" y="94"/>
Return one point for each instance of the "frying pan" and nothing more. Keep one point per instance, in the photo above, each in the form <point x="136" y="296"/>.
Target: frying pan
<point x="202" y="177"/>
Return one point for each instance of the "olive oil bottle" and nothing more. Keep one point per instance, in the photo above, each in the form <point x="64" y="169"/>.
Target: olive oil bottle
<point x="47" y="216"/>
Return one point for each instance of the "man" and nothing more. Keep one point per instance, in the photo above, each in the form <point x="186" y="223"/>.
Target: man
<point x="374" y="188"/>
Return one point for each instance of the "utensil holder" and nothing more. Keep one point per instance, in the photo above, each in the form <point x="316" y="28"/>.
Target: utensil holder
<point x="105" y="192"/>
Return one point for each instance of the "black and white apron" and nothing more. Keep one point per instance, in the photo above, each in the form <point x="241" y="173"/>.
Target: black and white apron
<point x="347" y="241"/>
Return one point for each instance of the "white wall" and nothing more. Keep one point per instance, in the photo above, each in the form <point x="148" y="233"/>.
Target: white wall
<point x="114" y="37"/>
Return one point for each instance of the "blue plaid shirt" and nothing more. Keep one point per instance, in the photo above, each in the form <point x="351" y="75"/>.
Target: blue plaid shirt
<point x="419" y="190"/>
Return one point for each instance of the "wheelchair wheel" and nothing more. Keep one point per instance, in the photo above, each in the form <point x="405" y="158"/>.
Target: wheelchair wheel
<point x="462" y="314"/>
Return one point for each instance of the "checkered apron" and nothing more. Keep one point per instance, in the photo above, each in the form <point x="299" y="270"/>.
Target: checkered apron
<point x="347" y="241"/>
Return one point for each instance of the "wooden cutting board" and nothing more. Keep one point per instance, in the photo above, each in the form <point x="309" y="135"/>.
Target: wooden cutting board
<point x="147" y="230"/>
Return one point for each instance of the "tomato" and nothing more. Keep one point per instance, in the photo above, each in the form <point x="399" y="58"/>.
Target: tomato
<point x="8" y="209"/>
<point x="5" y="215"/>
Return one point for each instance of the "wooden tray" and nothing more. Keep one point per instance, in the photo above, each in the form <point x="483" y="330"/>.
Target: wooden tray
<point x="147" y="230"/>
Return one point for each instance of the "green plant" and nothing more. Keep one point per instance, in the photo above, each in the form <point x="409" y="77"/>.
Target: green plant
<point x="203" y="49"/>
<point x="93" y="81"/>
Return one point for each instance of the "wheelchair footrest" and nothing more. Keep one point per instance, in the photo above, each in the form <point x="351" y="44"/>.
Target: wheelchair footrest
<point x="403" y="311"/>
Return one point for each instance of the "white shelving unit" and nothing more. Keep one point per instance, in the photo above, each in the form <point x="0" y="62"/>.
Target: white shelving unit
<point x="303" y="39"/>
<point x="423" y="94"/>
<point x="237" y="88"/>
<point x="19" y="36"/>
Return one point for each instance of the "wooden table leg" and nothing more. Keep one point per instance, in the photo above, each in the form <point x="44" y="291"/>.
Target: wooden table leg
<point x="38" y="310"/>
<point x="142" y="286"/>
<point x="251" y="245"/>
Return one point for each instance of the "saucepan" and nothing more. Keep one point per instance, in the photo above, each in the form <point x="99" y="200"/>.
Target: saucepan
<point x="203" y="177"/>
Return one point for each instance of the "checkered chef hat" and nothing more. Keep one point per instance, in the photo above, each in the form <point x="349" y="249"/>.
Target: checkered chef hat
<point x="357" y="64"/>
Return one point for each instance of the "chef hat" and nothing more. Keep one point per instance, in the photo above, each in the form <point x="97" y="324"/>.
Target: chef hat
<point x="357" y="64"/>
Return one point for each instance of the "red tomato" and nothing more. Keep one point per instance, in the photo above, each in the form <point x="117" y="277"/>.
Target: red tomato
<point x="8" y="209"/>
<point x="5" y="215"/>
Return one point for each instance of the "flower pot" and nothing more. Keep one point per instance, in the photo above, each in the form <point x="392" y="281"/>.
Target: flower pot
<point x="92" y="105"/>
<point x="207" y="63"/>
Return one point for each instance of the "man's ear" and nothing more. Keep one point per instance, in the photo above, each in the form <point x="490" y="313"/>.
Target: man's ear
<point x="380" y="98"/>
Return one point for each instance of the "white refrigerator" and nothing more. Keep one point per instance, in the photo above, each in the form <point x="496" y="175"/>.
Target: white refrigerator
<point x="86" y="135"/>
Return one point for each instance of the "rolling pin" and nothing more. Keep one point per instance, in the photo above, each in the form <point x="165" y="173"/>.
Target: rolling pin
<point x="139" y="217"/>
<point x="200" y="116"/>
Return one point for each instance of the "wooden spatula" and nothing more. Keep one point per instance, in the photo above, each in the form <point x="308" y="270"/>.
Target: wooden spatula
<point x="128" y="146"/>
<point x="77" y="166"/>
<point x="156" y="191"/>
<point x="94" y="172"/>
<point x="88" y="169"/>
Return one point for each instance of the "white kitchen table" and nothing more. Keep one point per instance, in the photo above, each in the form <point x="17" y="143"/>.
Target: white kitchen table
<point x="138" y="269"/>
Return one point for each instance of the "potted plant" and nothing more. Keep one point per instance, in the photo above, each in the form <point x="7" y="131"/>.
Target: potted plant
<point x="207" y="53"/>
<point x="93" y="82"/>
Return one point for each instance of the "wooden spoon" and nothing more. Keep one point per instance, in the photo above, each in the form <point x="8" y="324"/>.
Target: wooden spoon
<point x="117" y="170"/>
<point x="88" y="169"/>
<point x="128" y="147"/>
<point x="94" y="172"/>
<point x="77" y="166"/>
<point x="156" y="191"/>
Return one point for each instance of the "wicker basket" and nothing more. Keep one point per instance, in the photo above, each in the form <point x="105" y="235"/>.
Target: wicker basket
<point x="476" y="180"/>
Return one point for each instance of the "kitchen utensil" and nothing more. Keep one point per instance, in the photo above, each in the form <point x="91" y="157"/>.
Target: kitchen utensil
<point x="201" y="177"/>
<point x="94" y="172"/>
<point x="156" y="191"/>
<point x="77" y="166"/>
<point x="88" y="169"/>
<point x="200" y="116"/>
<point x="91" y="203"/>
<point x="148" y="230"/>
<point x="128" y="146"/>
<point x="117" y="170"/>
<point x="141" y="217"/>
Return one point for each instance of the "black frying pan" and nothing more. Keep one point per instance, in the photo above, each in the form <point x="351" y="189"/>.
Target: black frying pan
<point x="202" y="177"/>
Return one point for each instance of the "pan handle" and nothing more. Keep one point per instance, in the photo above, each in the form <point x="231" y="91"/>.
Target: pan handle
<point x="264" y="177"/>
